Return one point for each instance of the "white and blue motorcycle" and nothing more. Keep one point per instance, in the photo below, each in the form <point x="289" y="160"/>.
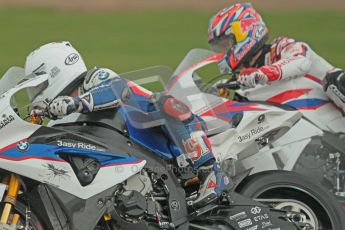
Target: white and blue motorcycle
<point x="97" y="173"/>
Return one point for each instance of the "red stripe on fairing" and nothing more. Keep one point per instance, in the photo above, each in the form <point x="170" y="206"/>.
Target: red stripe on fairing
<point x="123" y="163"/>
<point x="138" y="89"/>
<point x="245" y="108"/>
<point x="227" y="108"/>
<point x="11" y="145"/>
<point x="313" y="78"/>
<point x="212" y="58"/>
<point x="29" y="158"/>
<point x="288" y="95"/>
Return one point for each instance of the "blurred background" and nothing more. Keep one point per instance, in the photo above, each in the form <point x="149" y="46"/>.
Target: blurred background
<point x="133" y="34"/>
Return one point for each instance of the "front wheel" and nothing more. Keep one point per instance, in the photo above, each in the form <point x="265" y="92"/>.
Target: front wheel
<point x="293" y="192"/>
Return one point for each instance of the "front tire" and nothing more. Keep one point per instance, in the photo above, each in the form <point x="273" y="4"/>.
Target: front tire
<point x="310" y="196"/>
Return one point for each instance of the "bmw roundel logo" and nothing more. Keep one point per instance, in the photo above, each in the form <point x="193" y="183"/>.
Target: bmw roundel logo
<point x="72" y="59"/>
<point x="103" y="75"/>
<point x="23" y="145"/>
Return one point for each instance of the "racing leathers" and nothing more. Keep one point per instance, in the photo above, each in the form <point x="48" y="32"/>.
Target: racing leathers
<point x="141" y="108"/>
<point x="287" y="58"/>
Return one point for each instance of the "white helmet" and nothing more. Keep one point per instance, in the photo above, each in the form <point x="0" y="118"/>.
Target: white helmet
<point x="62" y="62"/>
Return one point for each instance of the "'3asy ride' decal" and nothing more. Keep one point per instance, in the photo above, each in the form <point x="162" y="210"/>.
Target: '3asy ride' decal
<point x="250" y="134"/>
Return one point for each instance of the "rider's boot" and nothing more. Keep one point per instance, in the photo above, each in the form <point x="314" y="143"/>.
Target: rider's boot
<point x="213" y="182"/>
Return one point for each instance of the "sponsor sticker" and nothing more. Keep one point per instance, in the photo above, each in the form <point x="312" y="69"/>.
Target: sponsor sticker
<point x="72" y="59"/>
<point x="255" y="227"/>
<point x="238" y="216"/>
<point x="5" y="120"/>
<point x="247" y="136"/>
<point x="266" y="224"/>
<point x="79" y="145"/>
<point x="103" y="75"/>
<point x="261" y="217"/>
<point x="255" y="210"/>
<point x="54" y="72"/>
<point x="261" y="118"/>
<point x="23" y="146"/>
<point x="245" y="223"/>
<point x="55" y="171"/>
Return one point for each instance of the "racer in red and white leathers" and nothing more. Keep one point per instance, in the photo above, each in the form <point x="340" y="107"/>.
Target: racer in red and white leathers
<point x="240" y="32"/>
<point x="287" y="58"/>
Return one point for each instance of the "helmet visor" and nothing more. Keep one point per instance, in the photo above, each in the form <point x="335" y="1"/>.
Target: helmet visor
<point x="222" y="44"/>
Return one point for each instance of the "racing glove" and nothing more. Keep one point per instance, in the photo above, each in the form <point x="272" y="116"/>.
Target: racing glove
<point x="63" y="106"/>
<point x="250" y="77"/>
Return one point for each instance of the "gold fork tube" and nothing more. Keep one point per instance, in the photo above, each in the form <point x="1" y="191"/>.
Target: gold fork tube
<point x="10" y="199"/>
<point x="15" y="219"/>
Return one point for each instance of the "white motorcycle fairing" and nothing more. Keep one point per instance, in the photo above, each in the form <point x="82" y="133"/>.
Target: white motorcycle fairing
<point x="303" y="147"/>
<point x="42" y="163"/>
<point x="306" y="95"/>
<point x="259" y="123"/>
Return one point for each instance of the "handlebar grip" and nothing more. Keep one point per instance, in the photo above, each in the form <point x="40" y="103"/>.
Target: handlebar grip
<point x="234" y="85"/>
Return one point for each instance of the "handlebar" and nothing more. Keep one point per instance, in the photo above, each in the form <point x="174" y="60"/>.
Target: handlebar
<point x="36" y="116"/>
<point x="232" y="85"/>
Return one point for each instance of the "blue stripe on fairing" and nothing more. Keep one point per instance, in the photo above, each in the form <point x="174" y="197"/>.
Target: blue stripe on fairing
<point x="307" y="103"/>
<point x="51" y="152"/>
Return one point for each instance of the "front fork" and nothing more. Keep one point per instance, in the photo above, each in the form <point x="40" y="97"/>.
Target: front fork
<point x="13" y="183"/>
<point x="10" y="200"/>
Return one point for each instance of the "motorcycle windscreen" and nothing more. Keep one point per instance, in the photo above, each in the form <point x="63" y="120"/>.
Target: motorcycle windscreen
<point x="11" y="78"/>
<point x="21" y="100"/>
<point x="154" y="118"/>
<point x="142" y="112"/>
<point x="193" y="83"/>
<point x="136" y="90"/>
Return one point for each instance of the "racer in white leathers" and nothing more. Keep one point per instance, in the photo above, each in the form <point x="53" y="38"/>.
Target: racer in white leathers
<point x="240" y="32"/>
<point x="101" y="88"/>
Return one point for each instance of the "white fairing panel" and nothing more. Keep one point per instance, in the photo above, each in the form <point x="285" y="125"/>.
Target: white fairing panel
<point x="258" y="120"/>
<point x="284" y="152"/>
<point x="13" y="128"/>
<point x="280" y="157"/>
<point x="325" y="115"/>
<point x="61" y="175"/>
<point x="56" y="171"/>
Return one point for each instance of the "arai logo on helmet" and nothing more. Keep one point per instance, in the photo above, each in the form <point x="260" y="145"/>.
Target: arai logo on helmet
<point x="72" y="59"/>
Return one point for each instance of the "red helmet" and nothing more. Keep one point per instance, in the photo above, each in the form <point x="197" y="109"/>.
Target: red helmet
<point x="238" y="31"/>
